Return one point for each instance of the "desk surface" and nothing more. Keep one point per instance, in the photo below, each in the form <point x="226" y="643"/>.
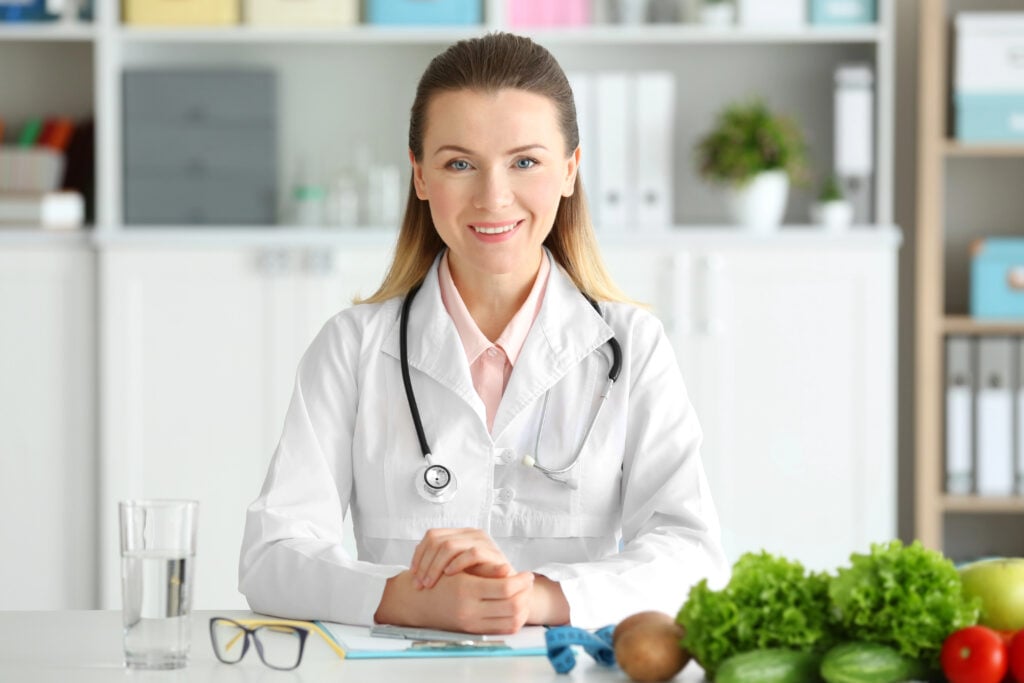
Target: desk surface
<point x="85" y="647"/>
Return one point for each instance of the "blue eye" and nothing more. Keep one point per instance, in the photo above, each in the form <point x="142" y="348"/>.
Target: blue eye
<point x="526" y="163"/>
<point x="459" y="165"/>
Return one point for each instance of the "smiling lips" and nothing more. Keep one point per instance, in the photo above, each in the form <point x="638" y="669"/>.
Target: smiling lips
<point x="494" y="228"/>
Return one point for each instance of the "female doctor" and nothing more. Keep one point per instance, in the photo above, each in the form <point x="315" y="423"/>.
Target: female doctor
<point x="512" y="438"/>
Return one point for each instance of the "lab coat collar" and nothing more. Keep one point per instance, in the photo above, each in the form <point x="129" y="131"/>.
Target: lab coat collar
<point x="566" y="330"/>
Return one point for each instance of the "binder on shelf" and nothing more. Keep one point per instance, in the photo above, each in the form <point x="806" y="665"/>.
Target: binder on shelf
<point x="583" y="91"/>
<point x="653" y="122"/>
<point x="995" y="388"/>
<point x="614" y="170"/>
<point x="959" y="418"/>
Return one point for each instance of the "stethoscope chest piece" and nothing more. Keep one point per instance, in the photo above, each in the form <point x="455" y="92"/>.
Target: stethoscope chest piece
<point x="436" y="483"/>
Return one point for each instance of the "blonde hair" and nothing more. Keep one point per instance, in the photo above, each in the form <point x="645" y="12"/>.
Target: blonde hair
<point x="486" y="64"/>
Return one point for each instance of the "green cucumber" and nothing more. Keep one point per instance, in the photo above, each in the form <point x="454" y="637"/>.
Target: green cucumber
<point x="769" y="666"/>
<point x="869" y="663"/>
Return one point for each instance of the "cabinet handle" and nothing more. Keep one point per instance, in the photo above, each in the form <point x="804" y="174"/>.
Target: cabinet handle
<point x="711" y="323"/>
<point x="273" y="262"/>
<point x="319" y="261"/>
<point x="681" y="321"/>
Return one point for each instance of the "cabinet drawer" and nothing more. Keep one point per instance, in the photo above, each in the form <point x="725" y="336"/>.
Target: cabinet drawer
<point x="302" y="12"/>
<point x="156" y="199"/>
<point x="181" y="12"/>
<point x="246" y="148"/>
<point x="199" y="97"/>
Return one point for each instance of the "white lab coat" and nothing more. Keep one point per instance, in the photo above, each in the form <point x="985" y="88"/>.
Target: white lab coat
<point x="349" y="444"/>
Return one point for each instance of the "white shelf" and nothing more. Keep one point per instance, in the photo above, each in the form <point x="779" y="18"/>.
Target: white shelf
<point x="21" y="236"/>
<point x="703" y="236"/>
<point x="649" y="34"/>
<point x="41" y="31"/>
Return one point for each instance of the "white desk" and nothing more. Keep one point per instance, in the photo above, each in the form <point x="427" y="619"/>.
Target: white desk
<point x="85" y="647"/>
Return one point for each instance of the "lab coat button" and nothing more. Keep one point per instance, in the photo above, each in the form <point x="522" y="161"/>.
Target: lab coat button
<point x="507" y="456"/>
<point x="505" y="495"/>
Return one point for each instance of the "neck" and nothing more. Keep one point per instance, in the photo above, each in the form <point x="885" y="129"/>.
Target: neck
<point x="492" y="300"/>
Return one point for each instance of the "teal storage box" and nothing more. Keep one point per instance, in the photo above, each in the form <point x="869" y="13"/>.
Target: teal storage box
<point x="984" y="117"/>
<point x="842" y="12"/>
<point x="424" y="12"/>
<point x="997" y="278"/>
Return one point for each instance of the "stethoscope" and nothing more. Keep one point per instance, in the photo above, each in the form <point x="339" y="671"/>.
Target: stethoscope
<point x="435" y="482"/>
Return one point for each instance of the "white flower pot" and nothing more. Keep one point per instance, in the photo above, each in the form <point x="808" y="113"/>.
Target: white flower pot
<point x="833" y="216"/>
<point x="759" y="204"/>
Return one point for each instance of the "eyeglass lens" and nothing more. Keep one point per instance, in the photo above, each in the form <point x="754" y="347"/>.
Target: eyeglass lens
<point x="278" y="645"/>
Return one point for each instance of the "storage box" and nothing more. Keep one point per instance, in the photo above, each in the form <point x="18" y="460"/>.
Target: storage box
<point x="772" y="13"/>
<point x="843" y="12"/>
<point x="424" y="12"/>
<point x="301" y="12"/>
<point x="997" y="278"/>
<point x="181" y="12"/>
<point x="989" y="53"/>
<point x="990" y="117"/>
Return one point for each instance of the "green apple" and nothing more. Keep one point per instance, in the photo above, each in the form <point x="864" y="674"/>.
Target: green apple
<point x="1000" y="586"/>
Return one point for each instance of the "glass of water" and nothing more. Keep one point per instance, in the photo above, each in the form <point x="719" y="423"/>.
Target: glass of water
<point x="158" y="550"/>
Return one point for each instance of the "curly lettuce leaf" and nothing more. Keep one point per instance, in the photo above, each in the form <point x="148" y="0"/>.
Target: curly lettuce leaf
<point x="908" y="597"/>
<point x="770" y="602"/>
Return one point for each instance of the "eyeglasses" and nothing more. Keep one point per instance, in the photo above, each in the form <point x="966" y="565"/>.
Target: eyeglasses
<point x="279" y="646"/>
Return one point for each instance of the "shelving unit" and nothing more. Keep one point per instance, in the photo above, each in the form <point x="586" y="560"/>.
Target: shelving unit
<point x="820" y="303"/>
<point x="954" y="524"/>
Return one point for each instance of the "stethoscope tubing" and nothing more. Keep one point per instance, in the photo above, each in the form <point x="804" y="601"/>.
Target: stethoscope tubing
<point x="613" y="376"/>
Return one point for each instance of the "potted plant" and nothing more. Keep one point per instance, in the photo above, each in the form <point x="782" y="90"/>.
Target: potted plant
<point x="755" y="153"/>
<point x="832" y="211"/>
<point x="717" y="13"/>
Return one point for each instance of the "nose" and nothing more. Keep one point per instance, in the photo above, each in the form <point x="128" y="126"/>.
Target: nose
<point x="493" y="191"/>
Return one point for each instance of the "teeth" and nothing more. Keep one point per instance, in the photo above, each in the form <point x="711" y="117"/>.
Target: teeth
<point x="495" y="231"/>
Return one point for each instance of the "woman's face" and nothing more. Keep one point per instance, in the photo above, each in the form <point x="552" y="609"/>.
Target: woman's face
<point x="494" y="169"/>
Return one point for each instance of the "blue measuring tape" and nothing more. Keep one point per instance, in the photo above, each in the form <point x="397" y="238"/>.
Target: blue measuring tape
<point x="560" y="640"/>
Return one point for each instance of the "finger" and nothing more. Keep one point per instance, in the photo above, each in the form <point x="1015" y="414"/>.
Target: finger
<point x="489" y="562"/>
<point x="491" y="570"/>
<point x="448" y="551"/>
<point x="425" y="545"/>
<point x="505" y="588"/>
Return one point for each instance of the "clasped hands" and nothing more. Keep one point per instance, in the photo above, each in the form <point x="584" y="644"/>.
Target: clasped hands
<point x="460" y="580"/>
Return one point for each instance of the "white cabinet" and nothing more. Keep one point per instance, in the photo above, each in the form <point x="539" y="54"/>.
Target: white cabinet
<point x="788" y="349"/>
<point x="47" y="434"/>
<point x="200" y="348"/>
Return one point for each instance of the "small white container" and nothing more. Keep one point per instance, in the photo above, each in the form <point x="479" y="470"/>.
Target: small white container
<point x="773" y="13"/>
<point x="718" y="14"/>
<point x="834" y="216"/>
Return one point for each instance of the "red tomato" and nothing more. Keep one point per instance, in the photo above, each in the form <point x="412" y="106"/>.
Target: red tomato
<point x="1017" y="656"/>
<point x="975" y="654"/>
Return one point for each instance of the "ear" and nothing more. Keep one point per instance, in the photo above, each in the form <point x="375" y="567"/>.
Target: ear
<point x="572" y="165"/>
<point x="417" y="177"/>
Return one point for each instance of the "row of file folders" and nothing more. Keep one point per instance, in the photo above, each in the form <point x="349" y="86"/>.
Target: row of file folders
<point x="985" y="416"/>
<point x="627" y="139"/>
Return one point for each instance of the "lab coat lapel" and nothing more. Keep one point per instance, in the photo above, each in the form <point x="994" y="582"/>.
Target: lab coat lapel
<point x="566" y="330"/>
<point x="435" y="348"/>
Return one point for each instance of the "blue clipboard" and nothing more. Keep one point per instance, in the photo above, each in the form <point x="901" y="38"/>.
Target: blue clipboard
<point x="357" y="643"/>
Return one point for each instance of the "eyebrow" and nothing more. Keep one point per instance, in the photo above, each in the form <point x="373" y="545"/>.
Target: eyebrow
<point x="463" y="150"/>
